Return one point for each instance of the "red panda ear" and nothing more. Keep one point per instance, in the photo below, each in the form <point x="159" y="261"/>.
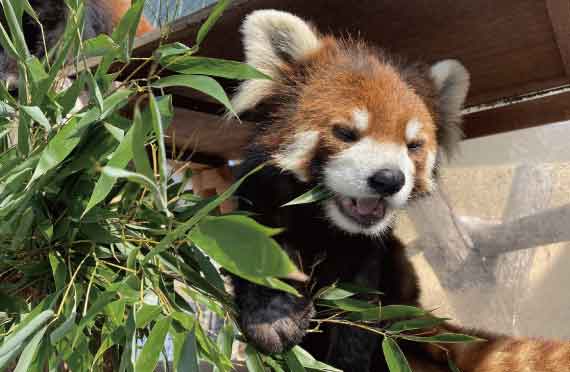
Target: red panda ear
<point x="272" y="39"/>
<point x="451" y="81"/>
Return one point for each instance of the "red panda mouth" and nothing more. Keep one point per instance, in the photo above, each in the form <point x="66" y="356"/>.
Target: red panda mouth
<point x="364" y="211"/>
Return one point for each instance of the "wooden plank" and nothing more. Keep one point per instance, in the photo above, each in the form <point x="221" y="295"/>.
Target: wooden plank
<point x="522" y="115"/>
<point x="484" y="34"/>
<point x="209" y="135"/>
<point x="559" y="12"/>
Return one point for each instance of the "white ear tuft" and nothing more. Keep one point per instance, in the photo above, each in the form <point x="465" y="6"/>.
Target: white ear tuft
<point x="451" y="80"/>
<point x="271" y="40"/>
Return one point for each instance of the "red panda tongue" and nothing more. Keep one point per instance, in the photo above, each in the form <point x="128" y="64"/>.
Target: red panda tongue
<point x="366" y="206"/>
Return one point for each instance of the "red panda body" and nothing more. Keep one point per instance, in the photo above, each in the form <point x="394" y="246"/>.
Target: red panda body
<point x="345" y="116"/>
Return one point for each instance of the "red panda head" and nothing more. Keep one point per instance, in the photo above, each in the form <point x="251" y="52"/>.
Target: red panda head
<point x="349" y="117"/>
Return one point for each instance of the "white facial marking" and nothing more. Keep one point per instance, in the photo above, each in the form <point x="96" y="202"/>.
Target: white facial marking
<point x="293" y="155"/>
<point x="347" y="173"/>
<point x="413" y="130"/>
<point x="360" y="118"/>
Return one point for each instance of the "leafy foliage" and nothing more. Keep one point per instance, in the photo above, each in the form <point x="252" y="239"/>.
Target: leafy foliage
<point x="100" y="247"/>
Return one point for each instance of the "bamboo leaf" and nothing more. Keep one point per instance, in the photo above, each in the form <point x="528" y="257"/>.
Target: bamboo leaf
<point x="215" y="14"/>
<point x="194" y="65"/>
<point x="183" y="228"/>
<point x="16" y="339"/>
<point x="254" y="254"/>
<point x="60" y="332"/>
<point x="394" y="356"/>
<point x="38" y="116"/>
<point x="292" y="362"/>
<point x="140" y="156"/>
<point x="308" y="361"/>
<point x="451" y="338"/>
<point x="204" y="84"/>
<point x="148" y="358"/>
<point x="16" y="30"/>
<point x="157" y="125"/>
<point x="29" y="352"/>
<point x="188" y="361"/>
<point x="253" y="360"/>
<point x="316" y="194"/>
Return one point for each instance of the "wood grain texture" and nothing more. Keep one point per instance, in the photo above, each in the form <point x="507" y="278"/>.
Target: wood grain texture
<point x="559" y="12"/>
<point x="509" y="46"/>
<point x="545" y="110"/>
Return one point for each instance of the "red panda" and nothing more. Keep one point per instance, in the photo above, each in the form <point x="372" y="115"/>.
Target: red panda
<point x="371" y="130"/>
<point x="101" y="16"/>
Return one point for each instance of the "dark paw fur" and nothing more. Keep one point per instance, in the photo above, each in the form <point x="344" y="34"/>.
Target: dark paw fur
<point x="278" y="325"/>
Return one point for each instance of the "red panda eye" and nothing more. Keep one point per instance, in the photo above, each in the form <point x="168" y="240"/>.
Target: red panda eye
<point x="345" y="134"/>
<point x="415" y="146"/>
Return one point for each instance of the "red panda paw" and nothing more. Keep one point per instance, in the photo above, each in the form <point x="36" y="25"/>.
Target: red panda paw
<point x="279" y="326"/>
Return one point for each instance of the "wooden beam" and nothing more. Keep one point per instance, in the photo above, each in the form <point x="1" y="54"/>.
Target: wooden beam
<point x="559" y="13"/>
<point x="527" y="114"/>
<point x="208" y="135"/>
<point x="485" y="35"/>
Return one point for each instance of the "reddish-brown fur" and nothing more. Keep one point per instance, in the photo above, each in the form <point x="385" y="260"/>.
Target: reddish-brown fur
<point x="329" y="93"/>
<point x="117" y="8"/>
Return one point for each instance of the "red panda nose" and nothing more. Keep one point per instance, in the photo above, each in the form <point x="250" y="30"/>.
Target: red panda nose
<point x="387" y="181"/>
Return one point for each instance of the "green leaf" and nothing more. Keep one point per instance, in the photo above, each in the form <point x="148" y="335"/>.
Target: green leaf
<point x="193" y="65"/>
<point x="253" y="360"/>
<point x="102" y="300"/>
<point x="140" y="156"/>
<point x="449" y="338"/>
<point x="141" y="180"/>
<point x="6" y="43"/>
<point x="225" y="340"/>
<point x="394" y="356"/>
<point x="253" y="254"/>
<point x="147" y="313"/>
<point x="63" y="143"/>
<point x="15" y="340"/>
<point x="38" y="116"/>
<point x="60" y="332"/>
<point x="173" y="49"/>
<point x="125" y="32"/>
<point x="334" y="293"/>
<point x="183" y="228"/>
<point x="152" y="348"/>
<point x="188" y="361"/>
<point x="119" y="159"/>
<point x="127" y="357"/>
<point x="99" y="46"/>
<point x="157" y="125"/>
<point x="418" y="323"/>
<point x="204" y="84"/>
<point x="17" y="35"/>
<point x="23" y="231"/>
<point x="351" y="304"/>
<point x="215" y="14"/>
<point x="389" y="312"/>
<point x="309" y="362"/>
<point x="292" y="362"/>
<point x="95" y="91"/>
<point x="58" y="269"/>
<point x="316" y="194"/>
<point x="29" y="352"/>
<point x="452" y="366"/>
